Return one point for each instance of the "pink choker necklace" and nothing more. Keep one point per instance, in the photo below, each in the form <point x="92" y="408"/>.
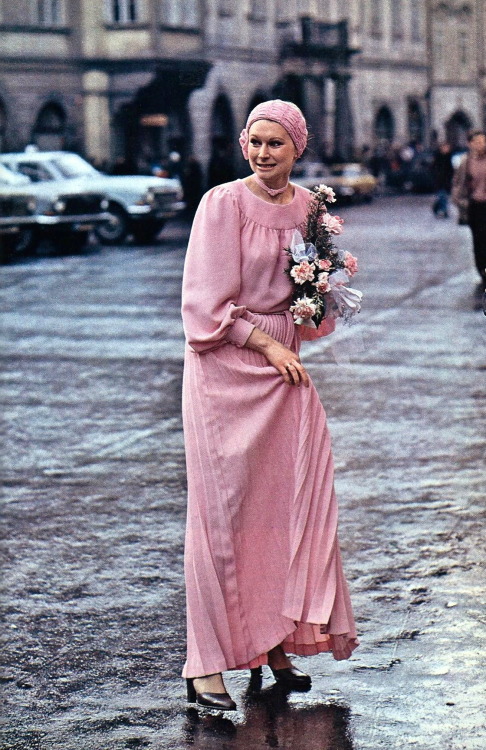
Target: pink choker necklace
<point x="268" y="190"/>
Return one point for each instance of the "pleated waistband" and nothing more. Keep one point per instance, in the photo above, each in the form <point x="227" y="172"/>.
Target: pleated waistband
<point x="279" y="325"/>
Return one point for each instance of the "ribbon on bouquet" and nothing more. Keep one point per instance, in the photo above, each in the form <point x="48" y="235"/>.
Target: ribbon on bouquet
<point x="302" y="250"/>
<point x="346" y="299"/>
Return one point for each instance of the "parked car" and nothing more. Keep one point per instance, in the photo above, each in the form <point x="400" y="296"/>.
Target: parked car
<point x="16" y="215"/>
<point x="138" y="205"/>
<point x="64" y="213"/>
<point x="349" y="181"/>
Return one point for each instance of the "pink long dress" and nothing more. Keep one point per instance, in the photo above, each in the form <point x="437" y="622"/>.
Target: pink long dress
<point x="262" y="559"/>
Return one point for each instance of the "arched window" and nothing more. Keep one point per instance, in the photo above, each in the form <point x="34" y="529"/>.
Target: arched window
<point x="50" y="128"/>
<point x="415" y="121"/>
<point x="456" y="130"/>
<point x="221" y="165"/>
<point x="258" y="98"/>
<point x="384" y="125"/>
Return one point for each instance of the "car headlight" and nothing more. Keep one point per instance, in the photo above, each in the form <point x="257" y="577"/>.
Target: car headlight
<point x="104" y="205"/>
<point x="149" y="197"/>
<point x="32" y="205"/>
<point x="59" y="206"/>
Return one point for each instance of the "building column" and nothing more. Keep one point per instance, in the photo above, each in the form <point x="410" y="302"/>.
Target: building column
<point x="96" y="113"/>
<point x="343" y="121"/>
<point x="314" y="105"/>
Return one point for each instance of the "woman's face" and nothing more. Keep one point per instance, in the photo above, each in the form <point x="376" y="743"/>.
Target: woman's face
<point x="271" y="152"/>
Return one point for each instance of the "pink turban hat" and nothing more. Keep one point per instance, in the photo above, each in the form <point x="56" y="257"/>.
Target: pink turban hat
<point x="287" y="115"/>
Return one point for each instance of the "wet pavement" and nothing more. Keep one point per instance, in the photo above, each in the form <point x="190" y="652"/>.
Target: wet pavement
<point x="94" y="503"/>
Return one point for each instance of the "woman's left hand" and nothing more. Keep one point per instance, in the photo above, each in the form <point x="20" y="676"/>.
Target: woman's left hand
<point x="283" y="359"/>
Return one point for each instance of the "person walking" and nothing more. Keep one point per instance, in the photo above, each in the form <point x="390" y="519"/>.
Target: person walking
<point x="443" y="172"/>
<point x="469" y="195"/>
<point x="263" y="569"/>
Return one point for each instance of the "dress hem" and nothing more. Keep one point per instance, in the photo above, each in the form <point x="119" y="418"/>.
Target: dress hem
<point x="340" y="645"/>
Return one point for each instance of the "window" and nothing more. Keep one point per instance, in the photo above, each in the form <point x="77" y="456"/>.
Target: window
<point x="397" y="19"/>
<point x="225" y="7"/>
<point x="123" y="11"/>
<point x="416" y="20"/>
<point x="34" y="171"/>
<point x="463" y="50"/>
<point x="181" y="13"/>
<point x="50" y="127"/>
<point x="384" y="125"/>
<point x="376" y="20"/>
<point x="48" y="12"/>
<point x="258" y="10"/>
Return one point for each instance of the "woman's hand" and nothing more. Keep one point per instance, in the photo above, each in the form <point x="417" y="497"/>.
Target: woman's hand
<point x="284" y="360"/>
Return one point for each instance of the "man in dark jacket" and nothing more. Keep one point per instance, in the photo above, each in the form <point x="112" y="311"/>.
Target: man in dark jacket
<point x="443" y="172"/>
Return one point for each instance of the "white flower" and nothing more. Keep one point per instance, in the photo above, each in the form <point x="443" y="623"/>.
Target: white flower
<point x="328" y="192"/>
<point x="303" y="309"/>
<point x="322" y="285"/>
<point x="303" y="272"/>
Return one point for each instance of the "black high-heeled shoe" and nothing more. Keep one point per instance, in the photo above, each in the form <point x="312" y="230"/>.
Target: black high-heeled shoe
<point x="290" y="678"/>
<point x="221" y="701"/>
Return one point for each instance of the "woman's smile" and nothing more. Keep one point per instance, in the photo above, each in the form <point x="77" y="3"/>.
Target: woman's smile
<point x="271" y="152"/>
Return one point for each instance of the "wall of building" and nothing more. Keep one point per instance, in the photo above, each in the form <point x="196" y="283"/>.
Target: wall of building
<point x="428" y="52"/>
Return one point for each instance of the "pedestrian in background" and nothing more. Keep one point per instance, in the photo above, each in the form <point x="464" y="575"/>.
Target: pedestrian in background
<point x="192" y="184"/>
<point x="263" y="569"/>
<point x="443" y="172"/>
<point x="469" y="195"/>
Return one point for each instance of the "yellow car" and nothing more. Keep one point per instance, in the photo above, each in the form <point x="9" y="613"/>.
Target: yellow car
<point x="349" y="181"/>
<point x="352" y="181"/>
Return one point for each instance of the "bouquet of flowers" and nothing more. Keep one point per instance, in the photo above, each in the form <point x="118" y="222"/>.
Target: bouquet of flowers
<point x="319" y="271"/>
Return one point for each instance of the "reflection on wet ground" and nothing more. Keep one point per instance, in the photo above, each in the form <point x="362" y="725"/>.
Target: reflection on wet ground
<point x="271" y="721"/>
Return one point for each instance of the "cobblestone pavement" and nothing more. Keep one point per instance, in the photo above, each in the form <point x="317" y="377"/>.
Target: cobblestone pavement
<point x="95" y="501"/>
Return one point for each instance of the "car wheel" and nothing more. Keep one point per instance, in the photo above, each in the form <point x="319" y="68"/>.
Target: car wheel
<point x="25" y="242"/>
<point x="146" y="232"/>
<point x="115" y="230"/>
<point x="15" y="246"/>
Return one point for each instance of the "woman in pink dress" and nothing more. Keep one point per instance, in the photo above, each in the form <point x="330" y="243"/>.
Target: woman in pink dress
<point x="263" y="569"/>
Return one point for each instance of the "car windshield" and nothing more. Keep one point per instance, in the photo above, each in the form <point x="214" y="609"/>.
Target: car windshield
<point x="72" y="165"/>
<point x="7" y="177"/>
<point x="345" y="171"/>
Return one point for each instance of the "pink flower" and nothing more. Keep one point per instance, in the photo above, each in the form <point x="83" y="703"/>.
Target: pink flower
<point x="328" y="192"/>
<point x="333" y="224"/>
<point x="325" y="265"/>
<point x="350" y="263"/>
<point x="303" y="272"/>
<point x="304" y="308"/>
<point x="322" y="285"/>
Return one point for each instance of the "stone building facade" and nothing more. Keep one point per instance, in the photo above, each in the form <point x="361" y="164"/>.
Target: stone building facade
<point x="134" y="79"/>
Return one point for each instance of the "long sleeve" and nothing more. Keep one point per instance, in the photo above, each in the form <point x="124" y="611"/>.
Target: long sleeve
<point x="212" y="275"/>
<point x="459" y="192"/>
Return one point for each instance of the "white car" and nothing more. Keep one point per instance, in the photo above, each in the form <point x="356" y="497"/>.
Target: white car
<point x="62" y="212"/>
<point x="138" y="205"/>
